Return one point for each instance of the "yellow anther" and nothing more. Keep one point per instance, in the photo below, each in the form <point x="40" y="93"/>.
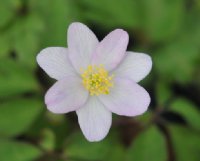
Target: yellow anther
<point x="97" y="80"/>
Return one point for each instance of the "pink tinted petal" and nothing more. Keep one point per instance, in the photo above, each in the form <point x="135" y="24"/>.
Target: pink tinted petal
<point x="135" y="66"/>
<point x="111" y="49"/>
<point x="81" y="44"/>
<point x="94" y="119"/>
<point x="126" y="98"/>
<point x="54" y="61"/>
<point x="66" y="95"/>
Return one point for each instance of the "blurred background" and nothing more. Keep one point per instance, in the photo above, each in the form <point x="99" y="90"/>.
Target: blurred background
<point x="168" y="30"/>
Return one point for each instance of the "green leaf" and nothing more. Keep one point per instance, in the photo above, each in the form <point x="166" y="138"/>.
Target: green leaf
<point x="185" y="143"/>
<point x="145" y="118"/>
<point x="163" y="93"/>
<point x="177" y="61"/>
<point x="16" y="78"/>
<point x="27" y="34"/>
<point x="8" y="10"/>
<point x="117" y="153"/>
<point x="149" y="145"/>
<point x="112" y="13"/>
<point x="188" y="110"/>
<point x="16" y="151"/>
<point x="162" y="19"/>
<point x="54" y="118"/>
<point x="5" y="45"/>
<point x="60" y="126"/>
<point x="16" y="116"/>
<point x="108" y="149"/>
<point x="48" y="140"/>
<point x="56" y="18"/>
<point x="190" y="30"/>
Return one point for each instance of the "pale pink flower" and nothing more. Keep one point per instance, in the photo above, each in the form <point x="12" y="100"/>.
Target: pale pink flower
<point x="95" y="79"/>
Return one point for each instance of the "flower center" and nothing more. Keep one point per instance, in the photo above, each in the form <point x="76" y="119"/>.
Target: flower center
<point x="97" y="80"/>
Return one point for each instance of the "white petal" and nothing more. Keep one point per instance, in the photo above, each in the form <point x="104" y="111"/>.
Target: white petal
<point x="135" y="66"/>
<point x="81" y="44"/>
<point x="54" y="61"/>
<point x="111" y="49"/>
<point x="66" y="95"/>
<point x="94" y="119"/>
<point x="126" y="98"/>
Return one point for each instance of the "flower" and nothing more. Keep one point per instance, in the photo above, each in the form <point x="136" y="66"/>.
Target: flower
<point x="95" y="79"/>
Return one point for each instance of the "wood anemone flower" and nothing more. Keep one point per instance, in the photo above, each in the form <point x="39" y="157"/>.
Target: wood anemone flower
<point x="95" y="79"/>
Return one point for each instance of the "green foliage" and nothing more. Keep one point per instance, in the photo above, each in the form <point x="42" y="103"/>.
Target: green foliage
<point x="112" y="13"/>
<point x="162" y="19"/>
<point x="22" y="113"/>
<point x="16" y="78"/>
<point x="188" y="111"/>
<point x="78" y="147"/>
<point x="177" y="60"/>
<point x="186" y="143"/>
<point x="163" y="93"/>
<point x="7" y="10"/>
<point x="27" y="45"/>
<point x="17" y="151"/>
<point x="178" y="56"/>
<point x="149" y="145"/>
<point x="5" y="44"/>
<point x="56" y="18"/>
<point x="48" y="140"/>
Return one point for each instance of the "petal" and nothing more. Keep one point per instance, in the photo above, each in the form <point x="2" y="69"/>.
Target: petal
<point x="111" y="49"/>
<point x="94" y="119"/>
<point x="54" y="61"/>
<point x="81" y="44"/>
<point x="66" y="95"/>
<point x="126" y="98"/>
<point x="135" y="66"/>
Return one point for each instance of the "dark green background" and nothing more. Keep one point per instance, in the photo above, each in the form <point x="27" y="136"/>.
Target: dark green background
<point x="168" y="30"/>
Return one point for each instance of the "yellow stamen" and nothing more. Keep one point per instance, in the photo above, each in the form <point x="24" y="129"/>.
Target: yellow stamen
<point x="97" y="80"/>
